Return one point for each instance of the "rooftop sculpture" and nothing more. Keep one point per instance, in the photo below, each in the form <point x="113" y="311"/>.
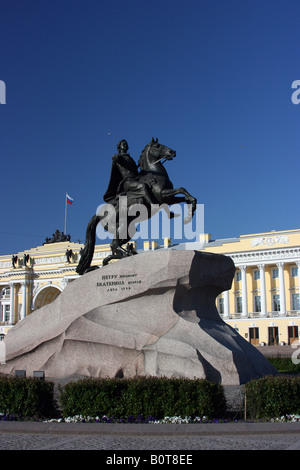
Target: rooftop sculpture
<point x="57" y="237"/>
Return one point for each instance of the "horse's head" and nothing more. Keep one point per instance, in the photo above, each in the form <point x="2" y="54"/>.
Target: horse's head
<point x="154" y="152"/>
<point x="159" y="150"/>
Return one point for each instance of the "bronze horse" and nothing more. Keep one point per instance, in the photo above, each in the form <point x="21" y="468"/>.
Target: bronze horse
<point x="155" y="175"/>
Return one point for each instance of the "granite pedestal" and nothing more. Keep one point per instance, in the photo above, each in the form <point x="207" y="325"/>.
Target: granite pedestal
<point x="152" y="314"/>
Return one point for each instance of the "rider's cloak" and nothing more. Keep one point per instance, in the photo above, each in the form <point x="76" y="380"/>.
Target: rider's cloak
<point x="115" y="185"/>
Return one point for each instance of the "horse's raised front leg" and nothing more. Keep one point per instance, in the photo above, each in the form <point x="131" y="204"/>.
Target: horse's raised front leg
<point x="168" y="196"/>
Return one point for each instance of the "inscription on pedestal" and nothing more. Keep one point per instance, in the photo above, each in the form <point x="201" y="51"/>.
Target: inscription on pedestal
<point x="116" y="282"/>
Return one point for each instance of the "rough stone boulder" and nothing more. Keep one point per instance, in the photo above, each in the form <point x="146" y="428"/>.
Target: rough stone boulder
<point x="152" y="314"/>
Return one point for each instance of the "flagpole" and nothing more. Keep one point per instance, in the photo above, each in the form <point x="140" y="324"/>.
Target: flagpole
<point x="65" y="232"/>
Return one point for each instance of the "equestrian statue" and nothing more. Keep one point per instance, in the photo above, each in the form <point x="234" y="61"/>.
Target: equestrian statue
<point x="147" y="183"/>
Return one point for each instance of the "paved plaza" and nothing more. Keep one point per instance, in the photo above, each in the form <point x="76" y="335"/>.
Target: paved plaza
<point x="156" y="437"/>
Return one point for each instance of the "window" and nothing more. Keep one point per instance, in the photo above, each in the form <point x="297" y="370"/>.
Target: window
<point x="293" y="334"/>
<point x="294" y="272"/>
<point x="5" y="313"/>
<point x="257" y="303"/>
<point x="295" y="301"/>
<point x="221" y="305"/>
<point x="276" y="303"/>
<point x="239" y="307"/>
<point x="256" y="275"/>
<point x="254" y="335"/>
<point x="238" y="276"/>
<point x="273" y="335"/>
<point x="275" y="273"/>
<point x="5" y="293"/>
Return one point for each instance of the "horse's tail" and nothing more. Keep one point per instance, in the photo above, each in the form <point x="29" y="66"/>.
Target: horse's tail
<point x="88" y="251"/>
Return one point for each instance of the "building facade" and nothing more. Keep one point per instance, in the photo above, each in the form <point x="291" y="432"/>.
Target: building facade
<point x="33" y="278"/>
<point x="263" y="304"/>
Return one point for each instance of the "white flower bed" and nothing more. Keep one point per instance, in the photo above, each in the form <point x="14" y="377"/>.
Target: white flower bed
<point x="97" y="419"/>
<point x="167" y="420"/>
<point x="179" y="420"/>
<point x="287" y="418"/>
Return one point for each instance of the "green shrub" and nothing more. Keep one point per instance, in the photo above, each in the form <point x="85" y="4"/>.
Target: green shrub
<point x="157" y="397"/>
<point x="93" y="397"/>
<point x="27" y="397"/>
<point x="272" y="397"/>
<point x="284" y="364"/>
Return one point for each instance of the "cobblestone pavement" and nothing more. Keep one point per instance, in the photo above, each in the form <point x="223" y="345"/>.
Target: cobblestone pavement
<point x="40" y="436"/>
<point x="88" y="442"/>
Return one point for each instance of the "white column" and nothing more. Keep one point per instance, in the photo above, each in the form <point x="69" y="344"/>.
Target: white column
<point x="281" y="288"/>
<point x="226" y="304"/>
<point x="12" y="303"/>
<point x="244" y="292"/>
<point x="263" y="298"/>
<point x="23" y="312"/>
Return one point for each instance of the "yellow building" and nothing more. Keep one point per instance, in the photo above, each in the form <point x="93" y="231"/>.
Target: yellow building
<point x="263" y="304"/>
<point x="33" y="278"/>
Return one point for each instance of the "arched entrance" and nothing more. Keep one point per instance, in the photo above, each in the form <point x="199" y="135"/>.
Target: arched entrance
<point x="45" y="296"/>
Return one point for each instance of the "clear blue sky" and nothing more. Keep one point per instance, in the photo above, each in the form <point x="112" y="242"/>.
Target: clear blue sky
<point x="210" y="78"/>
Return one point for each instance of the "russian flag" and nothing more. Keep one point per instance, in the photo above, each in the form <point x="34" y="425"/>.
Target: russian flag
<point x="69" y="200"/>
